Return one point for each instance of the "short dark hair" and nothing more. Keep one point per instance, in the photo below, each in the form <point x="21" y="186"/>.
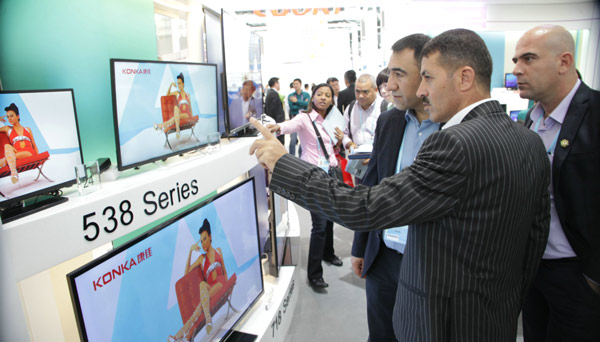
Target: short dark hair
<point x="297" y="79"/>
<point x="205" y="227"/>
<point x="350" y="76"/>
<point x="180" y="76"/>
<point x="462" y="47"/>
<point x="272" y="81"/>
<point x="12" y="107"/>
<point x="331" y="80"/>
<point x="414" y="42"/>
<point x="382" y="78"/>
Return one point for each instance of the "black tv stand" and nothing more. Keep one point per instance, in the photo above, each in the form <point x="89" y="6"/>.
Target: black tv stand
<point x="30" y="206"/>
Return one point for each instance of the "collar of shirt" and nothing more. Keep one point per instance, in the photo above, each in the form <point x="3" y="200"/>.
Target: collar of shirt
<point x="412" y="118"/>
<point x="559" y="113"/>
<point x="458" y="117"/>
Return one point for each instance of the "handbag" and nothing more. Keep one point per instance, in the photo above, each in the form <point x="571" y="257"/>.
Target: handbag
<point x="334" y="171"/>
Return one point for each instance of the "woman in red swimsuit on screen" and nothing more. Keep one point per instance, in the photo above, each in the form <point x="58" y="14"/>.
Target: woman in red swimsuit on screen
<point x="215" y="275"/>
<point x="183" y="110"/>
<point x="21" y="145"/>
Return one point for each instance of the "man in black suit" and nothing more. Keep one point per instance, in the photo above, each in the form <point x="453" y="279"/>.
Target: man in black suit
<point x="478" y="224"/>
<point x="564" y="301"/>
<point x="273" y="104"/>
<point x="376" y="255"/>
<point x="347" y="95"/>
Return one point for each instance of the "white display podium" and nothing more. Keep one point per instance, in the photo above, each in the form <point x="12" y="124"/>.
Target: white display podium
<point x="39" y="250"/>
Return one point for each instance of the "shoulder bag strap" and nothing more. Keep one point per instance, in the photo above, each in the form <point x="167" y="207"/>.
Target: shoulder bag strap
<point x="319" y="137"/>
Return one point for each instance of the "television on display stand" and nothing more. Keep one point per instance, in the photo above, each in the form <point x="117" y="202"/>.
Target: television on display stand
<point x="191" y="278"/>
<point x="242" y="79"/>
<point x="40" y="149"/>
<point x="161" y="109"/>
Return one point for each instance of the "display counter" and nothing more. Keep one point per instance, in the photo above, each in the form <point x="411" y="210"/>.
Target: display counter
<point x="40" y="249"/>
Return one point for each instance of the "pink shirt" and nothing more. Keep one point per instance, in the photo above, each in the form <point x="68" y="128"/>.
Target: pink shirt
<point x="311" y="149"/>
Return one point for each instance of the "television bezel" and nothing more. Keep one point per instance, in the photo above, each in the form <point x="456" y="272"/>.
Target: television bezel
<point x="10" y="202"/>
<point x="71" y="276"/>
<point x="232" y="131"/>
<point x="505" y="78"/>
<point x="120" y="165"/>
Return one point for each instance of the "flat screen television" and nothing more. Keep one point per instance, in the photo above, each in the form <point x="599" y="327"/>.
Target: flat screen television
<point x="279" y="233"/>
<point x="151" y="287"/>
<point x="510" y="81"/>
<point x="242" y="77"/>
<point x="514" y="115"/>
<point x="39" y="133"/>
<point x="161" y="109"/>
<point x="214" y="54"/>
<point x="262" y="204"/>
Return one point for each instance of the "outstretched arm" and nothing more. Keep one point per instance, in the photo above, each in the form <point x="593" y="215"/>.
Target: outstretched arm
<point x="425" y="191"/>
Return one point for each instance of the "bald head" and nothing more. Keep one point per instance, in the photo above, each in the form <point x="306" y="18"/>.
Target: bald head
<point x="545" y="64"/>
<point x="555" y="38"/>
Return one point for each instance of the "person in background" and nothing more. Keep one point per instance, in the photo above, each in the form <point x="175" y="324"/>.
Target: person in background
<point x="298" y="100"/>
<point x="307" y="124"/>
<point x="335" y="85"/>
<point x="564" y="302"/>
<point x="361" y="116"/>
<point x="478" y="222"/>
<point x="382" y="81"/>
<point x="400" y="132"/>
<point x="347" y="95"/>
<point x="273" y="104"/>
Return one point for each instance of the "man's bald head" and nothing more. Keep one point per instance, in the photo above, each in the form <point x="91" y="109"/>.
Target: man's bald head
<point x="555" y="38"/>
<point x="545" y="64"/>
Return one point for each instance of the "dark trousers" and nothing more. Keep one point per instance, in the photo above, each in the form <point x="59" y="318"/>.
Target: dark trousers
<point x="560" y="305"/>
<point x="321" y="245"/>
<point x="381" y="286"/>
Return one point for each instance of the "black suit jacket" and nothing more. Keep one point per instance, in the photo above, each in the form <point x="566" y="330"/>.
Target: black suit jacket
<point x="345" y="97"/>
<point x="478" y="224"/>
<point x="273" y="106"/>
<point x="576" y="178"/>
<point x="388" y="137"/>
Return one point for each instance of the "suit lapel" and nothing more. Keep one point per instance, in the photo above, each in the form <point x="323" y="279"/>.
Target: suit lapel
<point x="575" y="114"/>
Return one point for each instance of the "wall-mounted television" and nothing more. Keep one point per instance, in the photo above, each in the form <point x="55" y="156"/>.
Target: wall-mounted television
<point x="40" y="149"/>
<point x="161" y="109"/>
<point x="192" y="277"/>
<point x="510" y="81"/>
<point x="242" y="78"/>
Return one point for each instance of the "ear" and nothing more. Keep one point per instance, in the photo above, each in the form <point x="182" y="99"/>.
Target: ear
<point x="466" y="78"/>
<point x="565" y="61"/>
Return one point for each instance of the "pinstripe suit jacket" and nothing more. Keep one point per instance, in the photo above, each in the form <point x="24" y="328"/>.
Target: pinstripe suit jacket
<point x="479" y="224"/>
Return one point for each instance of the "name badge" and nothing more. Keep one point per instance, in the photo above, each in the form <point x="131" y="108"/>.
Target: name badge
<point x="323" y="163"/>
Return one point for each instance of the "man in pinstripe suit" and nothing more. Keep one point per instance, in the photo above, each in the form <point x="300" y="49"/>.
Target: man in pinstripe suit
<point x="478" y="220"/>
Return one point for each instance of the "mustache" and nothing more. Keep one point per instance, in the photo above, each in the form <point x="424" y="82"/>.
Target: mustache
<point x="426" y="100"/>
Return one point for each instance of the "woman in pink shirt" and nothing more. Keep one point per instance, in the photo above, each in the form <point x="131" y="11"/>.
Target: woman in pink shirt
<point x="305" y="124"/>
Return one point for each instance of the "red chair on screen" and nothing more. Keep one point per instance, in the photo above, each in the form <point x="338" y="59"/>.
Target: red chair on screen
<point x="188" y="296"/>
<point x="35" y="162"/>
<point x="167" y="104"/>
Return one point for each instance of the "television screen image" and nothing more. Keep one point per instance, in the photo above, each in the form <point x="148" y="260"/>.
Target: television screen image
<point x="510" y="81"/>
<point x="191" y="278"/>
<point x="161" y="109"/>
<point x="242" y="67"/>
<point x="40" y="144"/>
<point x="514" y="115"/>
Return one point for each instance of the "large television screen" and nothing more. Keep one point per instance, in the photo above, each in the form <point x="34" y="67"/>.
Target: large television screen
<point x="161" y="109"/>
<point x="40" y="143"/>
<point x="192" y="277"/>
<point x="242" y="69"/>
